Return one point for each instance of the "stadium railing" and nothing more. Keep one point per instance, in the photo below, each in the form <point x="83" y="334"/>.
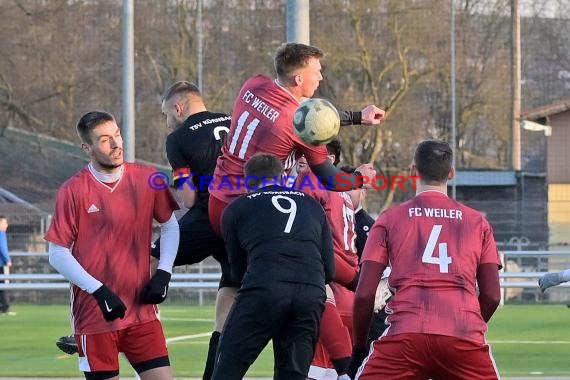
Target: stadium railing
<point x="40" y="281"/>
<point x="31" y="281"/>
<point x="31" y="271"/>
<point x="528" y="279"/>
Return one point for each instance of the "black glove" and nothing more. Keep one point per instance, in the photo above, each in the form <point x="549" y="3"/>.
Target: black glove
<point x="353" y="283"/>
<point x="157" y="288"/>
<point x="358" y="355"/>
<point x="109" y="303"/>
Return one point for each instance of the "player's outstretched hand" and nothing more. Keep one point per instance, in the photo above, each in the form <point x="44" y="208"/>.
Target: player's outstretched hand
<point x="549" y="280"/>
<point x="109" y="303"/>
<point x="368" y="173"/>
<point x="358" y="355"/>
<point x="372" y="115"/>
<point x="157" y="288"/>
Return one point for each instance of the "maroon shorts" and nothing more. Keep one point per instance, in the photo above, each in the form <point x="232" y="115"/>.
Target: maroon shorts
<point x="425" y="356"/>
<point x="215" y="209"/>
<point x="139" y="343"/>
<point x="344" y="300"/>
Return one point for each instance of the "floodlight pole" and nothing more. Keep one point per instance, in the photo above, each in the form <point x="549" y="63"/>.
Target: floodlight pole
<point x="199" y="47"/>
<point x="516" y="85"/>
<point x="453" y="100"/>
<point x="128" y="79"/>
<point x="298" y="21"/>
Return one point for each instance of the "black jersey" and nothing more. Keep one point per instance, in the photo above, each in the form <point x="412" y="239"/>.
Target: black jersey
<point x="277" y="234"/>
<point x="362" y="224"/>
<point x="193" y="149"/>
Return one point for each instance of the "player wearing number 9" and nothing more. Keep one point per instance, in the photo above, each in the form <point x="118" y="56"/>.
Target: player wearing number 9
<point x="438" y="249"/>
<point x="280" y="248"/>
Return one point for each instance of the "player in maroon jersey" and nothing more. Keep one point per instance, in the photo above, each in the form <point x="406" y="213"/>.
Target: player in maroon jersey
<point x="100" y="239"/>
<point x="262" y="121"/>
<point x="439" y="249"/>
<point x="362" y="224"/>
<point x="333" y="346"/>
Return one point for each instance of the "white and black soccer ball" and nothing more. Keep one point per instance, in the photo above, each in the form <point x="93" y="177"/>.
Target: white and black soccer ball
<point x="316" y="121"/>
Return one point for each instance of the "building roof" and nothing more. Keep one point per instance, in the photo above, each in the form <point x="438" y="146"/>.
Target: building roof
<point x="34" y="166"/>
<point x="484" y="178"/>
<point x="547" y="110"/>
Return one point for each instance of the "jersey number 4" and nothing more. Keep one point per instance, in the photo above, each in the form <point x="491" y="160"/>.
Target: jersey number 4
<point x="442" y="259"/>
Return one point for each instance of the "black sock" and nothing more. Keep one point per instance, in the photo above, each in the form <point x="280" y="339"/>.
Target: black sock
<point x="212" y="348"/>
<point x="341" y="365"/>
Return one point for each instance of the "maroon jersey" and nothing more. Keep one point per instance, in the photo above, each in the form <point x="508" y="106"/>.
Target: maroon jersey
<point x="434" y="246"/>
<point x="109" y="232"/>
<point x="262" y="121"/>
<point x="340" y="214"/>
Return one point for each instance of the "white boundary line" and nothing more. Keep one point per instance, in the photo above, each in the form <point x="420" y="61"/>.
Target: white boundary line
<point x="188" y="337"/>
<point x="202" y="335"/>
<point x="178" y="319"/>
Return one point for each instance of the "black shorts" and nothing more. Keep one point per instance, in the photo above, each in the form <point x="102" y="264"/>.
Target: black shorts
<point x="199" y="241"/>
<point x="287" y="313"/>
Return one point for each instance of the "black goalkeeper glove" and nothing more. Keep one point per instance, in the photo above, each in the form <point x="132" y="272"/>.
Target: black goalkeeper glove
<point x="157" y="288"/>
<point x="109" y="303"/>
<point x="358" y="355"/>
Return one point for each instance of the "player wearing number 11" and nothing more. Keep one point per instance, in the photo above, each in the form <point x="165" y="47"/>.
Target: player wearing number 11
<point x="280" y="248"/>
<point x="438" y="249"/>
<point x="262" y="121"/>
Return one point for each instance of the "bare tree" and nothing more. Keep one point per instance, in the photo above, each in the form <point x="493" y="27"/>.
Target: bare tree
<point x="61" y="58"/>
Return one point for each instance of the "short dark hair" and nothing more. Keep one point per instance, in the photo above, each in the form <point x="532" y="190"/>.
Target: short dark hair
<point x="261" y="167"/>
<point x="433" y="160"/>
<point x="291" y="56"/>
<point x="89" y="121"/>
<point x="335" y="148"/>
<point x="3" y="217"/>
<point x="181" y="87"/>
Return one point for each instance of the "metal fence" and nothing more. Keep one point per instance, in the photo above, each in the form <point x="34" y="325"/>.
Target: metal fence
<point x="33" y="279"/>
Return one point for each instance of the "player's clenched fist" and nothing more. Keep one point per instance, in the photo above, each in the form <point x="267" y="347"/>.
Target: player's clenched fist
<point x="367" y="175"/>
<point x="109" y="303"/>
<point x="372" y="115"/>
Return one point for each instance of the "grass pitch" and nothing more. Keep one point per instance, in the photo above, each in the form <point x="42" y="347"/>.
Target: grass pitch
<point x="526" y="340"/>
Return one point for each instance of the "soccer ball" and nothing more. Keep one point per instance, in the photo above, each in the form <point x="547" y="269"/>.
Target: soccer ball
<point x="316" y="121"/>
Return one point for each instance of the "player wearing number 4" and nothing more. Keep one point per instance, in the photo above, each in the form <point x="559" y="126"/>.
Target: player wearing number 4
<point x="438" y="249"/>
<point x="280" y="247"/>
<point x="99" y="240"/>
